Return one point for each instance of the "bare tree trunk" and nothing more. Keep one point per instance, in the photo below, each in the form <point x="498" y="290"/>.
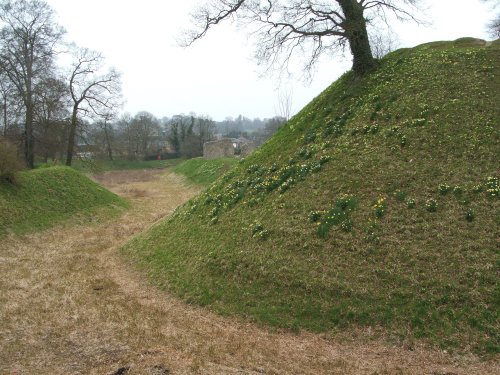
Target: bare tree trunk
<point x="45" y="137"/>
<point x="355" y="27"/>
<point x="71" y="138"/>
<point x="5" y="115"/>
<point x="29" y="140"/>
<point x="108" y="142"/>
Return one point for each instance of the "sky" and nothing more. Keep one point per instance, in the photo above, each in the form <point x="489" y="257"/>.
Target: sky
<point x="218" y="76"/>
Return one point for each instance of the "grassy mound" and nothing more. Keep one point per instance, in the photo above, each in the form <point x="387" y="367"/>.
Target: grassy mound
<point x="44" y="197"/>
<point x="204" y="172"/>
<point x="375" y="206"/>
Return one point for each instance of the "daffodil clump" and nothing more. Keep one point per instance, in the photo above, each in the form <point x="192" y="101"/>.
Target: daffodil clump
<point x="431" y="205"/>
<point x="258" y="231"/>
<point x="493" y="187"/>
<point x="379" y="207"/>
<point x="443" y="189"/>
<point x="339" y="215"/>
<point x="372" y="232"/>
<point x="410" y="203"/>
<point x="258" y="181"/>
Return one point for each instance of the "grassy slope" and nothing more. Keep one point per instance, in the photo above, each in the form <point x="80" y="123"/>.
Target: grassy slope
<point x="314" y="231"/>
<point x="204" y="172"/>
<point x="46" y="196"/>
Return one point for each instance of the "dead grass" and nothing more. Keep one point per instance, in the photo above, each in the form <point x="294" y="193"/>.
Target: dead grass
<point x="113" y="178"/>
<point x="70" y="304"/>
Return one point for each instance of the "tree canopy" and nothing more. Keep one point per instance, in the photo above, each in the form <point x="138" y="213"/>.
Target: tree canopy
<point x="309" y="28"/>
<point x="29" y="37"/>
<point x="494" y="24"/>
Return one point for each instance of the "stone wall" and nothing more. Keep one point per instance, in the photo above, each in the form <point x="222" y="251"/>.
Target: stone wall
<point x="223" y="148"/>
<point x="247" y="149"/>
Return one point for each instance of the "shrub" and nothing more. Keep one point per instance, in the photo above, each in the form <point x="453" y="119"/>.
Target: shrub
<point x="10" y="163"/>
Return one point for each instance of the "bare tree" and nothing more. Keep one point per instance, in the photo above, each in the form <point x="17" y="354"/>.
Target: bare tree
<point x="306" y="27"/>
<point x="94" y="91"/>
<point x="7" y="101"/>
<point x="383" y="43"/>
<point x="205" y="129"/>
<point x="173" y="135"/>
<point x="107" y="127"/>
<point x="52" y="102"/>
<point x="493" y="26"/>
<point x="146" y="126"/>
<point x="285" y="99"/>
<point x="272" y="125"/>
<point x="27" y="48"/>
<point x="126" y="138"/>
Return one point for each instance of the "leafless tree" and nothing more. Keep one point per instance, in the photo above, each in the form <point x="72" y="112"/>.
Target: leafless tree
<point x="306" y="27"/>
<point x="494" y="27"/>
<point x="126" y="137"/>
<point x="8" y="102"/>
<point x="285" y="100"/>
<point x="52" y="103"/>
<point x="107" y="128"/>
<point x="205" y="130"/>
<point x="145" y="126"/>
<point x="27" y="47"/>
<point x="94" y="91"/>
<point x="383" y="42"/>
<point x="494" y="24"/>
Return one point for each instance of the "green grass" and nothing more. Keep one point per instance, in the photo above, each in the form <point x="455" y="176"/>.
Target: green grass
<point x="339" y="223"/>
<point x="202" y="171"/>
<point x="43" y="197"/>
<point x="100" y="166"/>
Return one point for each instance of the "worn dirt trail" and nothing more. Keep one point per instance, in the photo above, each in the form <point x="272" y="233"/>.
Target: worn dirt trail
<point x="71" y="304"/>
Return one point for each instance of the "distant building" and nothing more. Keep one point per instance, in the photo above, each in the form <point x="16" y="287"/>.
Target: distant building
<point x="227" y="147"/>
<point x="86" y="151"/>
<point x="222" y="148"/>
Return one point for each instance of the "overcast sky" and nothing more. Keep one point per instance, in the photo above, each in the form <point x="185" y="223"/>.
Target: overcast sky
<point x="218" y="76"/>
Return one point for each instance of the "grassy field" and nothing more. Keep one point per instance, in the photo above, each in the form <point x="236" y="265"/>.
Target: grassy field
<point x="373" y="212"/>
<point x="203" y="172"/>
<point x="43" y="197"/>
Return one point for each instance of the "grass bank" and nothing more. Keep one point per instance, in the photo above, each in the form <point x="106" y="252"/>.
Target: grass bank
<point x="373" y="212"/>
<point x="204" y="172"/>
<point x="43" y="197"/>
<point x="99" y="166"/>
<point x="96" y="166"/>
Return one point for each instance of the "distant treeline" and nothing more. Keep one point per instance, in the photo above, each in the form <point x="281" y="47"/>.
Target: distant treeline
<point x="139" y="137"/>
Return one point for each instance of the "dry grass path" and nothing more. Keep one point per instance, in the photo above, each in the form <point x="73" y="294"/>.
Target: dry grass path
<point x="71" y="304"/>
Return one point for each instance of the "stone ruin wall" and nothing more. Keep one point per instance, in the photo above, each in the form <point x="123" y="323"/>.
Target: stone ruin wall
<point x="218" y="149"/>
<point x="247" y="149"/>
